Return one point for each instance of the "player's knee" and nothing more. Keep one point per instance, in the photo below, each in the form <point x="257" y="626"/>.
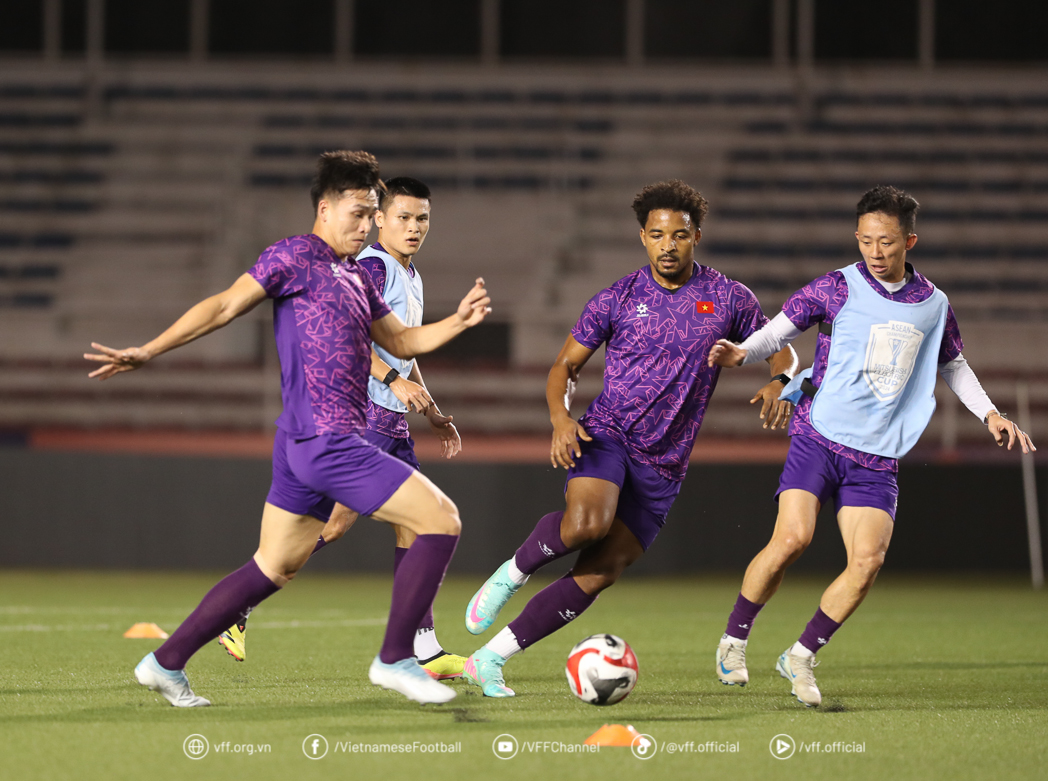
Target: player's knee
<point x="867" y="565"/>
<point x="444" y="520"/>
<point x="595" y="582"/>
<point x="585" y="529"/>
<point x="791" y="545"/>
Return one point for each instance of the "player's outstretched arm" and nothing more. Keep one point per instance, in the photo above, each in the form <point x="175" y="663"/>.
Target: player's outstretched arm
<point x="560" y="389"/>
<point x="398" y="339"/>
<point x="775" y="412"/>
<point x="411" y="394"/>
<point x="1000" y="427"/>
<point x="726" y="354"/>
<point x="207" y="316"/>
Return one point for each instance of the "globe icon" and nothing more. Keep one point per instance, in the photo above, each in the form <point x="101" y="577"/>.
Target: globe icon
<point x="195" y="746"/>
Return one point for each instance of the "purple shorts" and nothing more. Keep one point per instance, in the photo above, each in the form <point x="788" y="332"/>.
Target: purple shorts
<point x="310" y="475"/>
<point x="812" y="468"/>
<point x="402" y="448"/>
<point x="645" y="496"/>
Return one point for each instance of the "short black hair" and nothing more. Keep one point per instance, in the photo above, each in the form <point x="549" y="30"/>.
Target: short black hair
<point x="893" y="202"/>
<point x="403" y="185"/>
<point x="343" y="170"/>
<point x="674" y="195"/>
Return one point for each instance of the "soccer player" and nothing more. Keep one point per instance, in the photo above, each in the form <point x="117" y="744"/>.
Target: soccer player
<point x="883" y="331"/>
<point x="627" y="455"/>
<point x="327" y="312"/>
<point x="394" y="388"/>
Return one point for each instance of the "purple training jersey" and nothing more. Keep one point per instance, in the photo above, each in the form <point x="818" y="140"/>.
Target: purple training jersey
<point x="323" y="308"/>
<point x="820" y="301"/>
<point x="656" y="381"/>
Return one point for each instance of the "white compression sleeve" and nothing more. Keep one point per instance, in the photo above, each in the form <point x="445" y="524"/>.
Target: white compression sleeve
<point x="962" y="380"/>
<point x="778" y="333"/>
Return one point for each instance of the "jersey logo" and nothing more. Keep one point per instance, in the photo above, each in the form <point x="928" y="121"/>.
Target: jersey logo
<point x="350" y="277"/>
<point x="705" y="307"/>
<point x="891" y="355"/>
<point x="642" y="310"/>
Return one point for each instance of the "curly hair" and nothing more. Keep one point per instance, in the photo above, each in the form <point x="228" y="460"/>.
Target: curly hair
<point x="893" y="202"/>
<point x="674" y="195"/>
<point x="343" y="170"/>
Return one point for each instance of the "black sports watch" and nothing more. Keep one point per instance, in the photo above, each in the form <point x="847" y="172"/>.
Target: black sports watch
<point x="785" y="379"/>
<point x="388" y="379"/>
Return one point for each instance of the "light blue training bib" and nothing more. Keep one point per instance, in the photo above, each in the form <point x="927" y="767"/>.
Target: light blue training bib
<point x="403" y="293"/>
<point x="879" y="390"/>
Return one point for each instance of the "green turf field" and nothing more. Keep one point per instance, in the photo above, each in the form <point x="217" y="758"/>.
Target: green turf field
<point x="933" y="678"/>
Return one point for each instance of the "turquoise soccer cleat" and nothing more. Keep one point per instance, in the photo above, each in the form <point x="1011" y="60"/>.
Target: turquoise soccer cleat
<point x="484" y="669"/>
<point x="486" y="604"/>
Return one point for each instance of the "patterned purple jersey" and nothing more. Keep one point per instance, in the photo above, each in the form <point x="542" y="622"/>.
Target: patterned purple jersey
<point x="820" y="301"/>
<point x="656" y="381"/>
<point x="323" y="308"/>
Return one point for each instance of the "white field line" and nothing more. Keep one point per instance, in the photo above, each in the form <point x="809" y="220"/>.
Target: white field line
<point x="349" y="622"/>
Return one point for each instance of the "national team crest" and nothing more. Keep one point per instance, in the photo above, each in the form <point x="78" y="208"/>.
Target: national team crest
<point x="891" y="355"/>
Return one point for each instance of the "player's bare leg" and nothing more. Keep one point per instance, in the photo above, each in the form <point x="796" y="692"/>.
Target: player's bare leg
<point x="586" y="519"/>
<point x="866" y="531"/>
<point x="286" y="542"/>
<point x="794" y="528"/>
<point x="234" y="638"/>
<point x="340" y="522"/>
<point x="598" y="567"/>
<point x="423" y="509"/>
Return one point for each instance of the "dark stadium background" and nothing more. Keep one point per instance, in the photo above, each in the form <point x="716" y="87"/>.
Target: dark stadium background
<point x="149" y="151"/>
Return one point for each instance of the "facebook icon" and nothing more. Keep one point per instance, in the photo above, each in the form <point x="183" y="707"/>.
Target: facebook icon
<point x="315" y="746"/>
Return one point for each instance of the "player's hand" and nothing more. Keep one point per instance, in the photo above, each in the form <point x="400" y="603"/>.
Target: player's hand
<point x="116" y="361"/>
<point x="450" y="441"/>
<point x="727" y="354"/>
<point x="411" y="394"/>
<point x="475" y="306"/>
<point x="1000" y="426"/>
<point x="565" y="447"/>
<point x="775" y="412"/>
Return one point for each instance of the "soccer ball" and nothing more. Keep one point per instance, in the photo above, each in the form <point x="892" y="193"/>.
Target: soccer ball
<point x="602" y="670"/>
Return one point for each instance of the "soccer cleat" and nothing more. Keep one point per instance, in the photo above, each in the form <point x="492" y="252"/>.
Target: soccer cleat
<point x="444" y="666"/>
<point x="408" y="678"/>
<point x="484" y="669"/>
<point x="234" y="640"/>
<point x="798" y="671"/>
<point x="484" y="608"/>
<point x="731" y="663"/>
<point x="172" y="684"/>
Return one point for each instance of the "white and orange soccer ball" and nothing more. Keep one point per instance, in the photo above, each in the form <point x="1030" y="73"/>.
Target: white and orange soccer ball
<point x="602" y="670"/>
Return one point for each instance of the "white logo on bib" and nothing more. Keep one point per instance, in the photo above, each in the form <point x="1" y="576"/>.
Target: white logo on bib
<point x="890" y="357"/>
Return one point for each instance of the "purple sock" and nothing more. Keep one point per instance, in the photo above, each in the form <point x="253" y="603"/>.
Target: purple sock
<point x="553" y="607"/>
<point x="543" y="546"/>
<point x="220" y="608"/>
<point x="398" y="557"/>
<point x="818" y="631"/>
<point x="320" y="544"/>
<point x="740" y="622"/>
<point x="415" y="585"/>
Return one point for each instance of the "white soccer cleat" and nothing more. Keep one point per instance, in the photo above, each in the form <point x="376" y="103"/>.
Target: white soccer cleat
<point x="410" y="679"/>
<point x="798" y="671"/>
<point x="172" y="684"/>
<point x="731" y="663"/>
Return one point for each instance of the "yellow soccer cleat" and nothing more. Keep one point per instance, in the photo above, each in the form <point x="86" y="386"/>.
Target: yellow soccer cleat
<point x="234" y="640"/>
<point x="444" y="666"/>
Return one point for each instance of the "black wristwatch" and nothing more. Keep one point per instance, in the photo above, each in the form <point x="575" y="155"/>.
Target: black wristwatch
<point x="785" y="379"/>
<point x="388" y="379"/>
